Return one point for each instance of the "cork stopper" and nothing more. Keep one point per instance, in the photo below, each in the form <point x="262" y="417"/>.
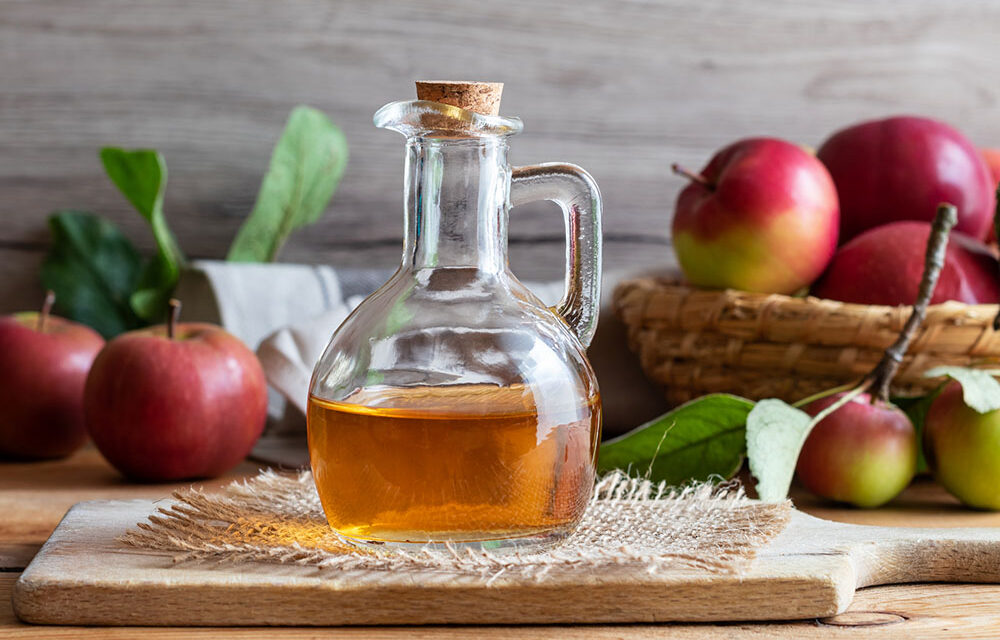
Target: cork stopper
<point x="481" y="97"/>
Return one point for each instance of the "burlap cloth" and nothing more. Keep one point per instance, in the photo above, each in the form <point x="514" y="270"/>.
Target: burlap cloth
<point x="277" y="518"/>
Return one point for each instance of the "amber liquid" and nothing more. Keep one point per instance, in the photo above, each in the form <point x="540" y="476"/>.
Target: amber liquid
<point x="465" y="463"/>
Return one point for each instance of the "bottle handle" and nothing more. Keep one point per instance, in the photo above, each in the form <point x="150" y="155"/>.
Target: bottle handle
<point x="577" y="195"/>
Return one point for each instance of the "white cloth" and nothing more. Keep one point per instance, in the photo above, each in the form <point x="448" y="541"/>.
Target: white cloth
<point x="252" y="300"/>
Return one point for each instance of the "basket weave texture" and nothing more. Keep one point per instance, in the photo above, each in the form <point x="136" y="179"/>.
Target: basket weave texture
<point x="695" y="341"/>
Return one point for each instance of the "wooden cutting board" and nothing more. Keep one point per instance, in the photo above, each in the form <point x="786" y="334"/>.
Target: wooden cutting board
<point x="83" y="576"/>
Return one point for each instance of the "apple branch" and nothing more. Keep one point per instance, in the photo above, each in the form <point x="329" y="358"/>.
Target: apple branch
<point x="692" y="176"/>
<point x="175" y="314"/>
<point x="881" y="376"/>
<point x="43" y="317"/>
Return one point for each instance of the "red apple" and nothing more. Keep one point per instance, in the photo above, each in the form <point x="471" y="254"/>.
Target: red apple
<point x="165" y="404"/>
<point x="44" y="362"/>
<point x="863" y="453"/>
<point x="761" y="216"/>
<point x="992" y="158"/>
<point x="963" y="449"/>
<point x="900" y="169"/>
<point x="884" y="266"/>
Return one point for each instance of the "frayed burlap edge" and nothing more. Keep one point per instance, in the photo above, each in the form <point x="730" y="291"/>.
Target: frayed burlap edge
<point x="278" y="518"/>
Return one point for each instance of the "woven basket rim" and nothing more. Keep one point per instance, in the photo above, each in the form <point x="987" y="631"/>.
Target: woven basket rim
<point x="676" y="282"/>
<point x="692" y="341"/>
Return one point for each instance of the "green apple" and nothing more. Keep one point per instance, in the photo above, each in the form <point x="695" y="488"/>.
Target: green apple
<point x="963" y="449"/>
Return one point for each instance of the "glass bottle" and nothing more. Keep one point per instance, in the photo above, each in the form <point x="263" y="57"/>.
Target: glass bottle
<point x="452" y="406"/>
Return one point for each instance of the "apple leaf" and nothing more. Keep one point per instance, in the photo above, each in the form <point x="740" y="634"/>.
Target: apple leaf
<point x="775" y="432"/>
<point x="980" y="390"/>
<point x="306" y="166"/>
<point x="695" y="441"/>
<point x="141" y="176"/>
<point x="93" y="269"/>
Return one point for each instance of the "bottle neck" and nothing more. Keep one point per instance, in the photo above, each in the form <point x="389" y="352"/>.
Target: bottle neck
<point x="456" y="203"/>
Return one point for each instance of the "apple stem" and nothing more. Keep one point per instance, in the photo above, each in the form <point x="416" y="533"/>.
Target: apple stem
<point x="43" y="317"/>
<point x="996" y="232"/>
<point x="691" y="175"/>
<point x="881" y="376"/>
<point x="175" y="314"/>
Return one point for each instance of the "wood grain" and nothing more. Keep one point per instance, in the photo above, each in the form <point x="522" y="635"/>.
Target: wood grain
<point x="82" y="575"/>
<point x="34" y="496"/>
<point x="925" y="611"/>
<point x="20" y="288"/>
<point x="928" y="610"/>
<point x="621" y="89"/>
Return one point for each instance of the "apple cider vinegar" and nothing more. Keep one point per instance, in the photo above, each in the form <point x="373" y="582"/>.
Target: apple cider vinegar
<point x="452" y="405"/>
<point x="463" y="462"/>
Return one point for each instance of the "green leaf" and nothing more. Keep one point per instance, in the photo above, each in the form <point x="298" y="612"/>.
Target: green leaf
<point x="775" y="435"/>
<point x="141" y="176"/>
<point x="980" y="390"/>
<point x="695" y="441"/>
<point x="92" y="268"/>
<point x="306" y="166"/>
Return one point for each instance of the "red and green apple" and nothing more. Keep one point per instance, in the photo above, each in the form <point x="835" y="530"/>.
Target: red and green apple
<point x="963" y="449"/>
<point x="761" y="216"/>
<point x="864" y="453"/>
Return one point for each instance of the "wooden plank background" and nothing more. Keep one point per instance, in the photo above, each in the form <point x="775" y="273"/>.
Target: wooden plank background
<point x="622" y="88"/>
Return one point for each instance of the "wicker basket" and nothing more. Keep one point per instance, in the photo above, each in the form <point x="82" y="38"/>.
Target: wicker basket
<point x="694" y="341"/>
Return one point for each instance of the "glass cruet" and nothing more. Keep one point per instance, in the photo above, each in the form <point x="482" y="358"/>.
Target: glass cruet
<point x="452" y="406"/>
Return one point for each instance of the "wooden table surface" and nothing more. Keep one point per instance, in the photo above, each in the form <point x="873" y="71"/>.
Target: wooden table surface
<point x="33" y="497"/>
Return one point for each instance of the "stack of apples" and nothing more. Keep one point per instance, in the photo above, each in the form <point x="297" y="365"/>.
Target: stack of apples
<point x="766" y="215"/>
<point x="851" y="223"/>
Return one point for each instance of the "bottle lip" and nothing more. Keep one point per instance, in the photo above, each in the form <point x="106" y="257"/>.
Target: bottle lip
<point x="422" y="118"/>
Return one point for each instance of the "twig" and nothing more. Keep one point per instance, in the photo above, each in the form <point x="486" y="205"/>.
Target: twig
<point x="692" y="176"/>
<point x="43" y="317"/>
<point x="881" y="376"/>
<point x="175" y="314"/>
